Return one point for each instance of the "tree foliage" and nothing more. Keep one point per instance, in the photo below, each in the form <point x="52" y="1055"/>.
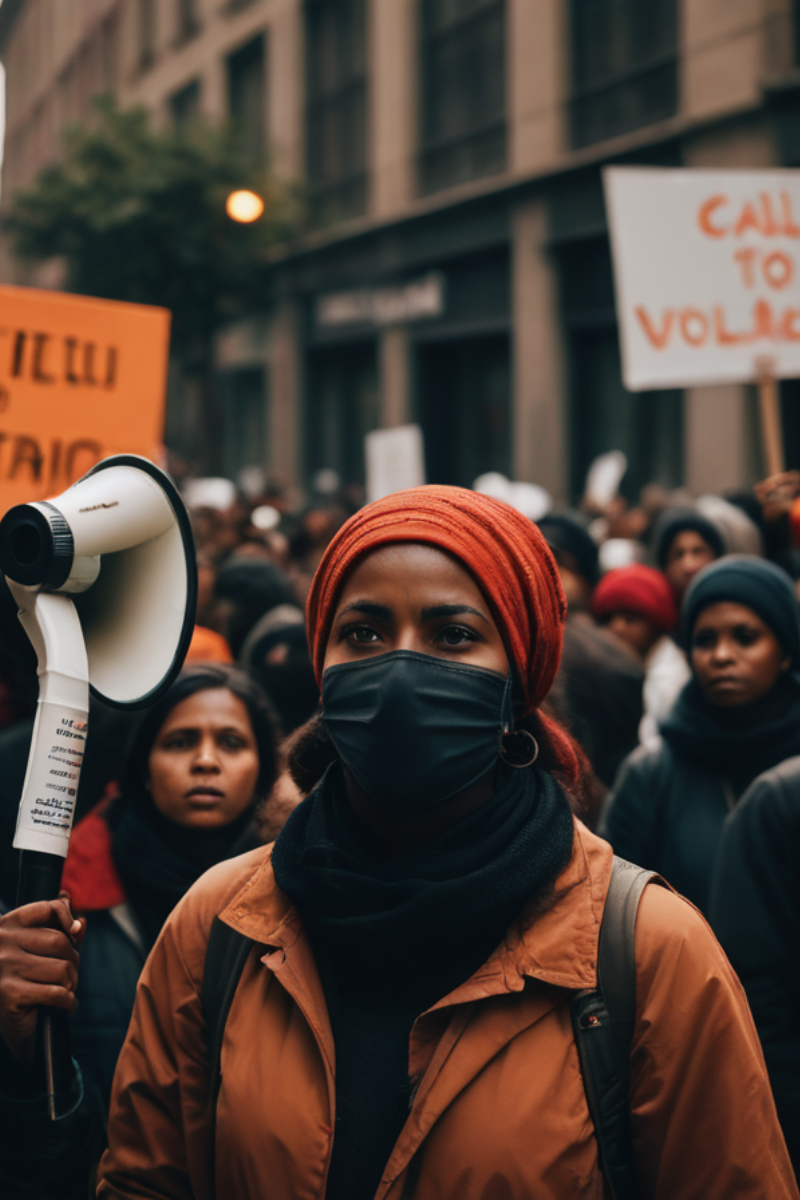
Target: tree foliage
<point x="138" y="214"/>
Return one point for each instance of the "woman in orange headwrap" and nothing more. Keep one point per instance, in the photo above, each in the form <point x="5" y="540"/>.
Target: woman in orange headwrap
<point x="401" y="1026"/>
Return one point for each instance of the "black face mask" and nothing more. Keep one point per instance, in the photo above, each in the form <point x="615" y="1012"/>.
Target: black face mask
<point x="414" y="729"/>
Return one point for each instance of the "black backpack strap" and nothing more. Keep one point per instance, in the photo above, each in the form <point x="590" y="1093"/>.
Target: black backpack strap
<point x="226" y="954"/>
<point x="603" y="1022"/>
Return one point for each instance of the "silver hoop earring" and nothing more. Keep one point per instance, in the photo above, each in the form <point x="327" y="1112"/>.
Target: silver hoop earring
<point x="519" y="749"/>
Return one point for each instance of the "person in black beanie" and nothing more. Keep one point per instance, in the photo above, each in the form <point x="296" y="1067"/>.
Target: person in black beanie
<point x="246" y="589"/>
<point x="684" y="541"/>
<point x="738" y="716"/>
<point x="598" y="691"/>
<point x="576" y="554"/>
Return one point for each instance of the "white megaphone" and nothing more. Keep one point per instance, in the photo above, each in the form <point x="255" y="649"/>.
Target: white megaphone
<point x="106" y="582"/>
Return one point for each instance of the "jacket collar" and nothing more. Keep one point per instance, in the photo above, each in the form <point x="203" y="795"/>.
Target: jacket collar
<point x="557" y="946"/>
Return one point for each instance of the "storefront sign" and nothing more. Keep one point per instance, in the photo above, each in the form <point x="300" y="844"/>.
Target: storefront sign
<point x="419" y="300"/>
<point x="79" y="379"/>
<point x="395" y="459"/>
<point x="707" y="274"/>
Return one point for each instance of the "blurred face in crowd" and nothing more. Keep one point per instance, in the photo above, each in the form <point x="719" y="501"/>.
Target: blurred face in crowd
<point x="577" y="590"/>
<point x="687" y="554"/>
<point x="204" y="764"/>
<point x="735" y="656"/>
<point x="206" y="604"/>
<point x="637" y="632"/>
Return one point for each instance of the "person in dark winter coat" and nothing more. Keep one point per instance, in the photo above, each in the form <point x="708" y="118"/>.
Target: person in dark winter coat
<point x="739" y="715"/>
<point x="200" y="763"/>
<point x="755" y="912"/>
<point x="597" y="693"/>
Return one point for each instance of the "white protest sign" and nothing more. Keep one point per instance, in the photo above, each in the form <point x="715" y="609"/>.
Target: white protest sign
<point x="395" y="460"/>
<point x="707" y="273"/>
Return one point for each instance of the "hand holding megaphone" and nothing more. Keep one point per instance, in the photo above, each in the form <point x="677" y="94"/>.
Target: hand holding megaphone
<point x="106" y="582"/>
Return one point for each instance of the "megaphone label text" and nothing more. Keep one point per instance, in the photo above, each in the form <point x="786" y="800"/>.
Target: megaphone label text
<point x="48" y="800"/>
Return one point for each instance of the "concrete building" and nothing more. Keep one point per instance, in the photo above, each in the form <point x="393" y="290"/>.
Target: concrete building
<point x="458" y="273"/>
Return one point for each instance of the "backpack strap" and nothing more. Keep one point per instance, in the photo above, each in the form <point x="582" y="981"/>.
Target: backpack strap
<point x="226" y="953"/>
<point x="603" y="1022"/>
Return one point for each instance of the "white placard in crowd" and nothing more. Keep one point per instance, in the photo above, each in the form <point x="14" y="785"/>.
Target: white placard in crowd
<point x="395" y="460"/>
<point x="707" y="273"/>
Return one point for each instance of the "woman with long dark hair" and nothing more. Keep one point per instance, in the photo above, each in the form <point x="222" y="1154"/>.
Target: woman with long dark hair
<point x="202" y="760"/>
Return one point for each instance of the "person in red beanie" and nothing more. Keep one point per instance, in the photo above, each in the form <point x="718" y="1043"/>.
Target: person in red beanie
<point x="637" y="605"/>
<point x="401" y="1025"/>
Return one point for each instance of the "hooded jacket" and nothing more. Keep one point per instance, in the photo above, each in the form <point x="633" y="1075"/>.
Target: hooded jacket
<point x="498" y="1107"/>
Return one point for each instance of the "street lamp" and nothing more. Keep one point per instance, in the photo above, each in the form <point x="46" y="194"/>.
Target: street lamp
<point x="244" y="207"/>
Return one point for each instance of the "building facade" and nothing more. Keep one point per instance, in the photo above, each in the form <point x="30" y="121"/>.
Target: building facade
<point x="457" y="270"/>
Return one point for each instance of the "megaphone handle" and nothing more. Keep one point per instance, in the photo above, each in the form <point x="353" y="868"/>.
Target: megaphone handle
<point x="40" y="879"/>
<point x="39" y="876"/>
<point x="49" y="794"/>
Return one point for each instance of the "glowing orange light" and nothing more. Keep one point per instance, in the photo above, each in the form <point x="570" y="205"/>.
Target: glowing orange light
<point x="244" y="207"/>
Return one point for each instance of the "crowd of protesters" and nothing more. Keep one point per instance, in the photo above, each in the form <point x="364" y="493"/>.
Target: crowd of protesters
<point x="669" y="717"/>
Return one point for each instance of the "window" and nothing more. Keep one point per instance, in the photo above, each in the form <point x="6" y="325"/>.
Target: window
<point x="147" y="34"/>
<point x="342" y="408"/>
<point x="247" y="93"/>
<point x="464" y="407"/>
<point x="185" y="106"/>
<point x="109" y="52"/>
<point x="463" y="104"/>
<point x="646" y="426"/>
<point x="624" y="66"/>
<point x="244" y="419"/>
<point x="188" y="21"/>
<point x="336" y="115"/>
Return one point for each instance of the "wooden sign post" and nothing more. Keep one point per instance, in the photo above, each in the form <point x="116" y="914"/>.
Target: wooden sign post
<point x="769" y="410"/>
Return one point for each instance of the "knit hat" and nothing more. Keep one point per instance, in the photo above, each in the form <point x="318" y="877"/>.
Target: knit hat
<point x="506" y="554"/>
<point x="569" y="534"/>
<point x="753" y="582"/>
<point x="678" y="520"/>
<point x="637" y="589"/>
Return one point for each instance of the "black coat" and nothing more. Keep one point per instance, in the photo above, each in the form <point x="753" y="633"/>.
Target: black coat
<point x="110" y="965"/>
<point x="755" y="912"/>
<point x="666" y="814"/>
<point x="597" y="694"/>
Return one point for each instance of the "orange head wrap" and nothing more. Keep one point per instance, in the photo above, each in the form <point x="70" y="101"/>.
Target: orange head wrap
<point x="510" y="561"/>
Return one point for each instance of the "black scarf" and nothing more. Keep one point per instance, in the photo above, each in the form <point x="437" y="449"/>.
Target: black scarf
<point x="158" y="860"/>
<point x="390" y="938"/>
<point x="738" y="742"/>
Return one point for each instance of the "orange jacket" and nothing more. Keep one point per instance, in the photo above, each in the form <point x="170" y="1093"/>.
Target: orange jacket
<point x="499" y="1107"/>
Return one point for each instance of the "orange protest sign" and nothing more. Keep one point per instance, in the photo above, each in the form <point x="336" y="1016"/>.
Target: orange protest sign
<point x="80" y="379"/>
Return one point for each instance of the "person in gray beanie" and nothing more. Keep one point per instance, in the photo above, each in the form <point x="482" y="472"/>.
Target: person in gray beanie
<point x="739" y="715"/>
<point x="684" y="541"/>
